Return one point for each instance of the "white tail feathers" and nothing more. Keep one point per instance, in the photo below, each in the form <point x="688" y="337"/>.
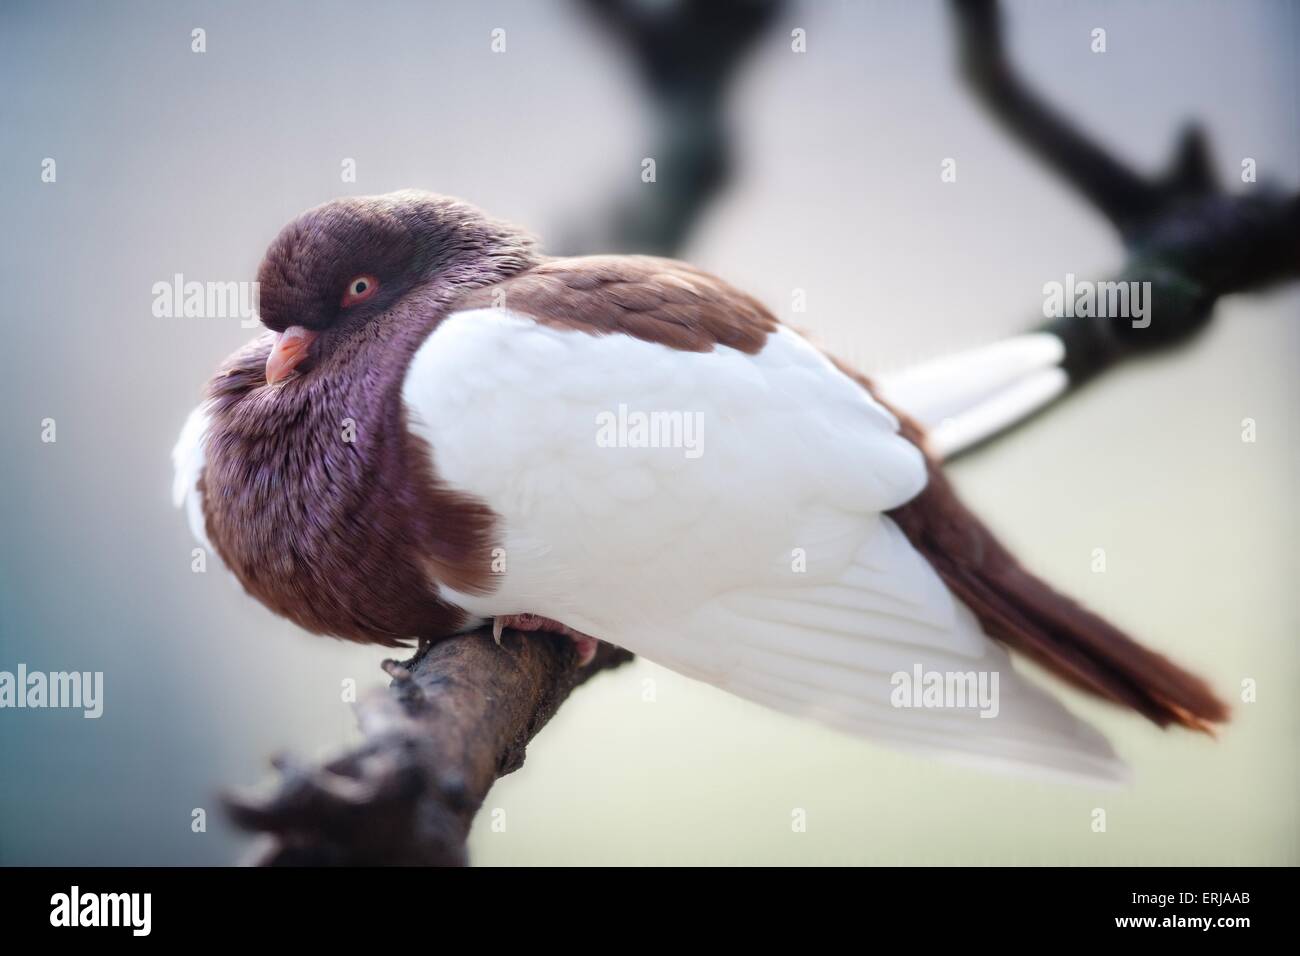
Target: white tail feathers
<point x="962" y="399"/>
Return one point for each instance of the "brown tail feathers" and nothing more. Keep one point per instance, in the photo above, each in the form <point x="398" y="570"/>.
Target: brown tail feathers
<point x="1026" y="614"/>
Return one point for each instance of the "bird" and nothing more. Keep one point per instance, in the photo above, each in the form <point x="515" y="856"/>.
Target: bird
<point x="442" y="428"/>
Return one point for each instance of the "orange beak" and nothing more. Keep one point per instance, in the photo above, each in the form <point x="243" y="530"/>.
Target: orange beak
<point x="290" y="349"/>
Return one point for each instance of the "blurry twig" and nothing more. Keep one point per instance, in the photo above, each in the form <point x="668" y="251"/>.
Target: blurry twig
<point x="1187" y="237"/>
<point x="687" y="54"/>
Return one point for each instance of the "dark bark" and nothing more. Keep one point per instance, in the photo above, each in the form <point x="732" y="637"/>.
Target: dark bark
<point x="1193" y="241"/>
<point x="687" y="56"/>
<point x="457" y="715"/>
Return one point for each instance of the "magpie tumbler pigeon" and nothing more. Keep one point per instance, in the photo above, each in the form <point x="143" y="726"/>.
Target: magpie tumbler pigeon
<point x="444" y="428"/>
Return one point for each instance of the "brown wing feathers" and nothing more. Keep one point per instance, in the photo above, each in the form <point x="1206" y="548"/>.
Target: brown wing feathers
<point x="652" y="299"/>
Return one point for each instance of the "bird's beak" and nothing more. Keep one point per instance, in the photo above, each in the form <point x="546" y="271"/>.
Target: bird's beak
<point x="289" y="350"/>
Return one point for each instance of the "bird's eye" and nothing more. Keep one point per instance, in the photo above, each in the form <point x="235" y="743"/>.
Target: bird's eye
<point x="360" y="289"/>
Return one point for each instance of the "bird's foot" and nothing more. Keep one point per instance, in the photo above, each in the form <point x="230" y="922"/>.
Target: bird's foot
<point x="584" y="644"/>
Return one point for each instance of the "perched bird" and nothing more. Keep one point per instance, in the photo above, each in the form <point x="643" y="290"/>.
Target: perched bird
<point x="443" y="428"/>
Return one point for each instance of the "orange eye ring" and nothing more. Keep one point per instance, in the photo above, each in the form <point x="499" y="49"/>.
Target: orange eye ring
<point x="359" y="290"/>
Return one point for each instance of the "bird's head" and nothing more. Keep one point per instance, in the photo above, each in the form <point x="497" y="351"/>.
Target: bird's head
<point x="348" y="267"/>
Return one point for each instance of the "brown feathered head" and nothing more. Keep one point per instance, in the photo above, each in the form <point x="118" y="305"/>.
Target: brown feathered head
<point x="341" y="266"/>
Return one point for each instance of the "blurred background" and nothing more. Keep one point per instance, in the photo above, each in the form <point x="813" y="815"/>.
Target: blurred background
<point x="171" y="161"/>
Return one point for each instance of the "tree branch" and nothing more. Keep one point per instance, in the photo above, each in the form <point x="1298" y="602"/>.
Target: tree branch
<point x="1184" y="235"/>
<point x="457" y="715"/>
<point x="1118" y="192"/>
<point x="687" y="56"/>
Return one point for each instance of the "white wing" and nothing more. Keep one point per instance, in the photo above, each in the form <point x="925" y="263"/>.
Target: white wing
<point x="751" y="552"/>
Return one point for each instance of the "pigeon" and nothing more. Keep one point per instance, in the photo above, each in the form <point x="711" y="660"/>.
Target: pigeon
<point x="442" y="428"/>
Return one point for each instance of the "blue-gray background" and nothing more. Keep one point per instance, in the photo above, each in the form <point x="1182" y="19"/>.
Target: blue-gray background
<point x="171" y="161"/>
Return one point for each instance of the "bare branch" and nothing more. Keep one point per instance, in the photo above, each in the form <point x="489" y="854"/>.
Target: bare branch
<point x="687" y="55"/>
<point x="457" y="716"/>
<point x="1118" y="192"/>
<point x="1190" y="240"/>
